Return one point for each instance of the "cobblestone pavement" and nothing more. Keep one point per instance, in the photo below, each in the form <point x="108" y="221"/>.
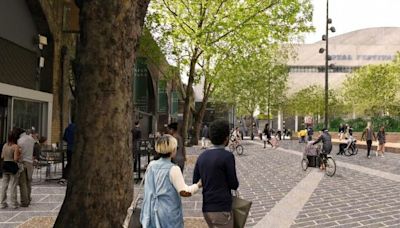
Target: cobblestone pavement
<point x="349" y="199"/>
<point x="390" y="163"/>
<point x="47" y="198"/>
<point x="352" y="199"/>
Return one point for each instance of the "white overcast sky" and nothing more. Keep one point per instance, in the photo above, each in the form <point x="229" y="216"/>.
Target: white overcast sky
<point x="350" y="15"/>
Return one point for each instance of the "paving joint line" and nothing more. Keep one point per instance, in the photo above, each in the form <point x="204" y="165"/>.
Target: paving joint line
<point x="358" y="168"/>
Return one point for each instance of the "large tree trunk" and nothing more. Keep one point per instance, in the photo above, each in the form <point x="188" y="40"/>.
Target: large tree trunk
<point x="100" y="186"/>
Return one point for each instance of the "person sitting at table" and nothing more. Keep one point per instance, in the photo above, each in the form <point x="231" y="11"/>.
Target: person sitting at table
<point x="163" y="186"/>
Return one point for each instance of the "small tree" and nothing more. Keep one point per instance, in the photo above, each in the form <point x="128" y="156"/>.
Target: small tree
<point x="374" y="89"/>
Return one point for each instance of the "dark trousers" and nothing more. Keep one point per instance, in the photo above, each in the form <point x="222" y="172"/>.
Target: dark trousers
<point x="68" y="166"/>
<point x="342" y="146"/>
<point x="369" y="145"/>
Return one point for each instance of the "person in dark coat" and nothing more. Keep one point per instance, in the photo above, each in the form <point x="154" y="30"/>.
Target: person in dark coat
<point x="180" y="156"/>
<point x="204" y="137"/>
<point x="68" y="137"/>
<point x="326" y="139"/>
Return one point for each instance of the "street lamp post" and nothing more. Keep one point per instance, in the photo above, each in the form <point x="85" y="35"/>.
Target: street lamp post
<point x="327" y="58"/>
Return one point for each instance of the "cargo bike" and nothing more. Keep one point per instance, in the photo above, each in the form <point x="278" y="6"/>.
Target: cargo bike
<point x="313" y="157"/>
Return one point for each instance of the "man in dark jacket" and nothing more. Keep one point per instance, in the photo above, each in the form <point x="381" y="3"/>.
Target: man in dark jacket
<point x="180" y="156"/>
<point x="326" y="139"/>
<point x="216" y="169"/>
<point x="136" y="135"/>
<point x="204" y="137"/>
<point x="68" y="137"/>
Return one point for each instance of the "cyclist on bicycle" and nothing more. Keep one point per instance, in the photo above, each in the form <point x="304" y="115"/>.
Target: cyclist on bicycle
<point x="235" y="136"/>
<point x="325" y="137"/>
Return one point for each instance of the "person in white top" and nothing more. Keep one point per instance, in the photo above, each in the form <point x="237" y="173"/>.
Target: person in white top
<point x="163" y="187"/>
<point x="27" y="143"/>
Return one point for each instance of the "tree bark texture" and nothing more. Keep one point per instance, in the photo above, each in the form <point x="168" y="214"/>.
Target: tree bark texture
<point x="100" y="185"/>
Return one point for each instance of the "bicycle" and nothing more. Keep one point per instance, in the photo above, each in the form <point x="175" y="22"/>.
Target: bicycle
<point x="352" y="149"/>
<point x="328" y="161"/>
<point x="235" y="146"/>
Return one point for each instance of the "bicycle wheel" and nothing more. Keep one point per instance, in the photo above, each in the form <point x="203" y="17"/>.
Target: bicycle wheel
<point x="355" y="150"/>
<point x="239" y="149"/>
<point x="304" y="164"/>
<point x="330" y="166"/>
<point x="348" y="151"/>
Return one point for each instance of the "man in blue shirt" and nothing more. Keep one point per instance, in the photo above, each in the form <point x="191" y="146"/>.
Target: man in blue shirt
<point x="216" y="169"/>
<point x="68" y="137"/>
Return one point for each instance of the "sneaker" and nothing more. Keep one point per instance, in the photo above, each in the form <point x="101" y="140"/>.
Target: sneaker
<point x="369" y="156"/>
<point x="383" y="156"/>
<point x="15" y="207"/>
<point x="376" y="153"/>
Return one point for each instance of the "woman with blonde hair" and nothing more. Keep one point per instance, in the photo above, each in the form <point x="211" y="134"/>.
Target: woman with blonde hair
<point x="164" y="184"/>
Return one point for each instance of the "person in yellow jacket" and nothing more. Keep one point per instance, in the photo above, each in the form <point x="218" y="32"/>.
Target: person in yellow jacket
<point x="302" y="135"/>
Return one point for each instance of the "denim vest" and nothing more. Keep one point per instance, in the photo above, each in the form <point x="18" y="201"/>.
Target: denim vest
<point x="162" y="206"/>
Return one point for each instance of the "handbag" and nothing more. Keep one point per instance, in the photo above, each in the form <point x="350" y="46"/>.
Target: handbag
<point x="240" y="210"/>
<point x="10" y="167"/>
<point x="132" y="219"/>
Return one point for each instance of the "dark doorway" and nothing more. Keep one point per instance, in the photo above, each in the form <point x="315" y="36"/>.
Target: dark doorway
<point x="3" y="118"/>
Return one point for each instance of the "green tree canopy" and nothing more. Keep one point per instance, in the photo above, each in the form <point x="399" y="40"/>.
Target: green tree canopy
<point x="190" y="31"/>
<point x="374" y="89"/>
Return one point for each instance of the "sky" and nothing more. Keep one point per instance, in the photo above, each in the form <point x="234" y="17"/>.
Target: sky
<point x="351" y="15"/>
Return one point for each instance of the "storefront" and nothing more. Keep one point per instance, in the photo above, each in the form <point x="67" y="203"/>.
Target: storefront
<point x="24" y="108"/>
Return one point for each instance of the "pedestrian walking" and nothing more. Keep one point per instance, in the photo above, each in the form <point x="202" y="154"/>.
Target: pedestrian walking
<point x="10" y="155"/>
<point x="68" y="137"/>
<point x="216" y="169"/>
<point x="26" y="143"/>
<point x="368" y="133"/>
<point x="381" y="141"/>
<point x="136" y="136"/>
<point x="204" y="137"/>
<point x="267" y="136"/>
<point x="162" y="205"/>
<point x="180" y="157"/>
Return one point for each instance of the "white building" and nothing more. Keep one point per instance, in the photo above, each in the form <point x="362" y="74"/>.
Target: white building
<point x="349" y="51"/>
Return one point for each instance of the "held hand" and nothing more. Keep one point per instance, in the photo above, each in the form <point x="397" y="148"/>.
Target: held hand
<point x="199" y="184"/>
<point x="185" y="194"/>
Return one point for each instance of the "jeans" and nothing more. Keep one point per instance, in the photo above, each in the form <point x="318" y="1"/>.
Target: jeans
<point x="25" y="183"/>
<point x="9" y="180"/>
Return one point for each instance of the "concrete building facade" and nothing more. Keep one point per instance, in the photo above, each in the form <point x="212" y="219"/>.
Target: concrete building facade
<point x="349" y="52"/>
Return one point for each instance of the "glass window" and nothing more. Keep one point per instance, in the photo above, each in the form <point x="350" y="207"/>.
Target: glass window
<point x="30" y="114"/>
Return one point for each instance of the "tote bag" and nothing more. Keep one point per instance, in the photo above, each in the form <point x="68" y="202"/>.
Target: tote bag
<point x="132" y="219"/>
<point x="240" y="210"/>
